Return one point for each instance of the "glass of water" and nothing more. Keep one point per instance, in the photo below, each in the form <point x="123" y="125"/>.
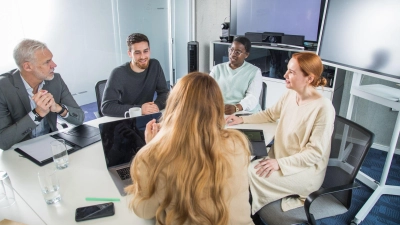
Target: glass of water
<point x="60" y="154"/>
<point x="49" y="185"/>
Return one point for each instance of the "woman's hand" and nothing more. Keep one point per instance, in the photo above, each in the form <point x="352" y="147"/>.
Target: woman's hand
<point x="266" y="167"/>
<point x="233" y="120"/>
<point x="151" y="131"/>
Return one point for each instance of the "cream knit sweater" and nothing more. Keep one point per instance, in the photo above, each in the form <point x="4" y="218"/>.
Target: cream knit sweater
<point x="301" y="147"/>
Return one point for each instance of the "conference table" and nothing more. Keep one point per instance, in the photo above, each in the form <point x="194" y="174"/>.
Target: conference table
<point x="86" y="176"/>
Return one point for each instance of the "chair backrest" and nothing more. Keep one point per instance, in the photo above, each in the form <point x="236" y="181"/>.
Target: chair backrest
<point x="350" y="145"/>
<point x="99" y="89"/>
<point x="263" y="96"/>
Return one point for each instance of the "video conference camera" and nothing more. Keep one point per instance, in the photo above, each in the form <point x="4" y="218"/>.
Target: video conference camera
<point x="225" y="37"/>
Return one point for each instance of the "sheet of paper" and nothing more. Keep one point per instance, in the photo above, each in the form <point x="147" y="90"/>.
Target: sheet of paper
<point x="40" y="148"/>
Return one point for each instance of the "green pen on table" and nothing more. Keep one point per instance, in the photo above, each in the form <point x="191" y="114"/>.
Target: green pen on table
<point x="103" y="199"/>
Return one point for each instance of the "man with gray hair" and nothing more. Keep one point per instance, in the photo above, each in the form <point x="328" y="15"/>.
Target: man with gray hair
<point x="33" y="95"/>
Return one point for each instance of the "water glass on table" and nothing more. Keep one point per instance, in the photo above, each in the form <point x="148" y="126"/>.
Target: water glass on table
<point x="7" y="197"/>
<point x="60" y="154"/>
<point x="49" y="185"/>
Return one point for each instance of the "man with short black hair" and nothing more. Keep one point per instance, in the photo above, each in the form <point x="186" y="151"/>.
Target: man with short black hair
<point x="134" y="83"/>
<point x="240" y="81"/>
<point x="32" y="96"/>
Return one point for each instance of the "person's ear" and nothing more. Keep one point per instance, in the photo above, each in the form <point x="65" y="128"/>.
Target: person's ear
<point x="129" y="54"/>
<point x="311" y="78"/>
<point x="27" y="66"/>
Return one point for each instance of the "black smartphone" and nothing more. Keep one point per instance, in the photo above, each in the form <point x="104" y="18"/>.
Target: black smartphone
<point x="94" y="211"/>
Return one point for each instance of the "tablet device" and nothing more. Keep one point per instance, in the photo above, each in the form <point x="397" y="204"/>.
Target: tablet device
<point x="257" y="141"/>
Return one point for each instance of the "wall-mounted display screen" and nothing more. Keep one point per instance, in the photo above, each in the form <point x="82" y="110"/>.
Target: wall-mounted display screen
<point x="291" y="17"/>
<point x="362" y="35"/>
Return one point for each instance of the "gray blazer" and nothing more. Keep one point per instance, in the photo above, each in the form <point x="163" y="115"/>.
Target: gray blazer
<point x="15" y="123"/>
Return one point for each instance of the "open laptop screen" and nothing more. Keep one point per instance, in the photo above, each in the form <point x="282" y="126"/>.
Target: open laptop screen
<point x="122" y="139"/>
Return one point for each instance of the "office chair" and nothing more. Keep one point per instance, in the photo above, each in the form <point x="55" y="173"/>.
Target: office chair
<point x="263" y="96"/>
<point x="350" y="144"/>
<point x="99" y="89"/>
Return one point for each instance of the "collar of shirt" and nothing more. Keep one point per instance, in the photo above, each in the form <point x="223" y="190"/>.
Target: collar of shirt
<point x="29" y="90"/>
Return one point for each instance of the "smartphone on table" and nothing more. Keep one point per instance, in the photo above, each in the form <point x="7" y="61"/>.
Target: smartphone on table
<point x="94" y="211"/>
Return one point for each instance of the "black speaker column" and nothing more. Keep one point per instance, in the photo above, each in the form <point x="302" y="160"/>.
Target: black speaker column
<point x="193" y="56"/>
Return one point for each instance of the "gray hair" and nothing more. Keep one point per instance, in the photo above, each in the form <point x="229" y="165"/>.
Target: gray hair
<point x="25" y="51"/>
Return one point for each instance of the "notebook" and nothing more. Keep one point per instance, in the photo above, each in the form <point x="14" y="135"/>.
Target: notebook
<point x="121" y="140"/>
<point x="39" y="150"/>
<point x="257" y="141"/>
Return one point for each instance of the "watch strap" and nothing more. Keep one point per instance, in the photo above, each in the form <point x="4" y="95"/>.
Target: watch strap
<point x="38" y="118"/>
<point x="63" y="108"/>
<point x="236" y="108"/>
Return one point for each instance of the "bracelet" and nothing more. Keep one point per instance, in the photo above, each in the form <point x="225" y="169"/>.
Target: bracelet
<point x="38" y="118"/>
<point x="63" y="108"/>
<point x="236" y="108"/>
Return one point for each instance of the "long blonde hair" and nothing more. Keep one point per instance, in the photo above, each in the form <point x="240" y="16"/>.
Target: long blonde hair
<point x="190" y="151"/>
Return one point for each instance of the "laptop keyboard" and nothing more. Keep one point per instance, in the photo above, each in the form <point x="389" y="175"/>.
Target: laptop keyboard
<point x="124" y="173"/>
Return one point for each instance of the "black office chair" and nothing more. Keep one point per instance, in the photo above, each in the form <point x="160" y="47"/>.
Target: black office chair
<point x="335" y="195"/>
<point x="99" y="89"/>
<point x="263" y="96"/>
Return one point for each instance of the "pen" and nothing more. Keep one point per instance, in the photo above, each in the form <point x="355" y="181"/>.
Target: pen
<point x="102" y="199"/>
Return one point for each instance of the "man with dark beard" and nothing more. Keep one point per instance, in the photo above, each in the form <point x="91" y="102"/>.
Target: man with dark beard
<point x="134" y="83"/>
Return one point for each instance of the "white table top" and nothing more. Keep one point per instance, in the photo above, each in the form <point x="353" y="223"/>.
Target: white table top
<point x="86" y="176"/>
<point x="20" y="212"/>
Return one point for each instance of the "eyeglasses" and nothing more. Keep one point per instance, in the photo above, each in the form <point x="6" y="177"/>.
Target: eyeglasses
<point x="234" y="52"/>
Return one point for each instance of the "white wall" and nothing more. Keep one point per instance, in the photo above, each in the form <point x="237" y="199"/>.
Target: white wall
<point x="87" y="38"/>
<point x="210" y="14"/>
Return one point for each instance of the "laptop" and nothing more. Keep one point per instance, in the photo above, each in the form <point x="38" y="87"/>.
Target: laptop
<point x="80" y="136"/>
<point x="257" y="141"/>
<point x="121" y="140"/>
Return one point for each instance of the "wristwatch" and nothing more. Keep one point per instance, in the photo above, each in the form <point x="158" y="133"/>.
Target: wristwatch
<point x="63" y="108"/>
<point x="38" y="118"/>
<point x="236" y="108"/>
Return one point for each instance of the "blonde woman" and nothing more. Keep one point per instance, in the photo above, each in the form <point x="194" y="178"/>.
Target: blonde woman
<point x="192" y="170"/>
<point x="298" y="159"/>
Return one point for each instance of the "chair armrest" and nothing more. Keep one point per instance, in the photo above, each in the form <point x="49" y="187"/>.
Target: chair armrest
<point x="310" y="199"/>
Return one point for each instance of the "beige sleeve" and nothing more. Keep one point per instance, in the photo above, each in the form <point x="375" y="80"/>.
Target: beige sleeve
<point x="317" y="147"/>
<point x="145" y="209"/>
<point x="269" y="115"/>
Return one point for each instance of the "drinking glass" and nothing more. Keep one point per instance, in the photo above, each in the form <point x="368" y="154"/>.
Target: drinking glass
<point x="49" y="185"/>
<point x="7" y="197"/>
<point x="60" y="154"/>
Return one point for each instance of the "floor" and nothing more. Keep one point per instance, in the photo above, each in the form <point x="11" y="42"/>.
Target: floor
<point x="385" y="212"/>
